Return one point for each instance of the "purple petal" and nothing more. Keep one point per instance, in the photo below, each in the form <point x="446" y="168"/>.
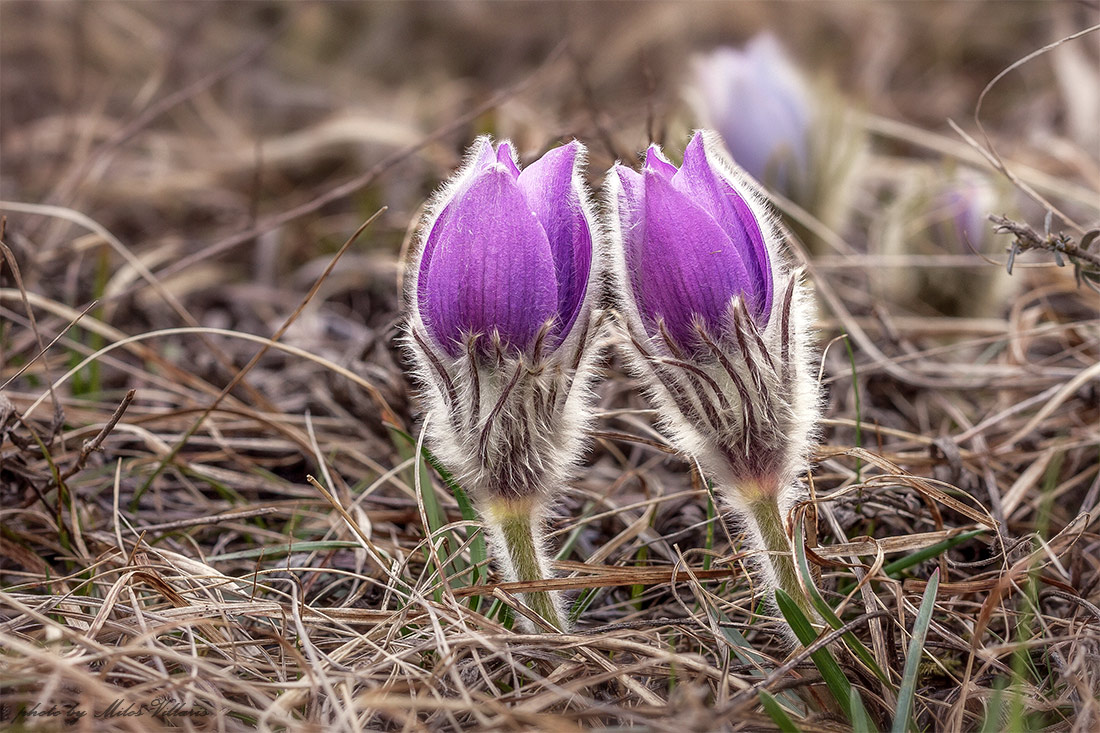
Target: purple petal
<point x="548" y="186"/>
<point x="506" y="157"/>
<point x="480" y="155"/>
<point x="490" y="267"/>
<point x="658" y="163"/>
<point x="700" y="182"/>
<point x="478" y="158"/>
<point x="631" y="214"/>
<point x="687" y="265"/>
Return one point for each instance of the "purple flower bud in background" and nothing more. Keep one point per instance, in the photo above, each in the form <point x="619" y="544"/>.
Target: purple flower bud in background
<point x="503" y="333"/>
<point x="757" y="101"/>
<point x="717" y="325"/>
<point x="938" y="214"/>
<point x="967" y="200"/>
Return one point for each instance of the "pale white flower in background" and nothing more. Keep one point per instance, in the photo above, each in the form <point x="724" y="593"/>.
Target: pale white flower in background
<point x="759" y="103"/>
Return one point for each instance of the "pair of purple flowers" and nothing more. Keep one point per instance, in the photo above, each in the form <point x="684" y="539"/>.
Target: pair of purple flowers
<point x="505" y="326"/>
<point x="510" y="254"/>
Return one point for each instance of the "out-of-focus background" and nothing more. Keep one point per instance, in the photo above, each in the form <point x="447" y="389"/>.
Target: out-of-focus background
<point x="173" y="168"/>
<point x="232" y="146"/>
<point x="176" y="125"/>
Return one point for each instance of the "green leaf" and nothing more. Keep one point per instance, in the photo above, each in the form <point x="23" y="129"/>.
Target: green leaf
<point x="778" y="715"/>
<point x="584" y="600"/>
<point x="822" y="606"/>
<point x="479" y="552"/>
<point x="861" y="719"/>
<point x="894" y="569"/>
<point x="908" y="690"/>
<point x="823" y="659"/>
<point x="746" y="653"/>
<point x="273" y="551"/>
<point x="994" y="711"/>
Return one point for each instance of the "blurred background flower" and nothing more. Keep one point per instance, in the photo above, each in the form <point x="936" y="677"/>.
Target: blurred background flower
<point x="962" y="208"/>
<point x="940" y="247"/>
<point x="758" y="101"/>
<point x="797" y="136"/>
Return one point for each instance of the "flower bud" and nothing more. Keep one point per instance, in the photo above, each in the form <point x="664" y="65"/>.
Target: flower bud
<point x="966" y="201"/>
<point x="508" y="254"/>
<point x="501" y="326"/>
<point x="937" y="213"/>
<point x="717" y="325"/>
<point x="758" y="102"/>
<point x="692" y="244"/>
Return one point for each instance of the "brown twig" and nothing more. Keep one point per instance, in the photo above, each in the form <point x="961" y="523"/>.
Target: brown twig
<point x="1060" y="244"/>
<point x="90" y="446"/>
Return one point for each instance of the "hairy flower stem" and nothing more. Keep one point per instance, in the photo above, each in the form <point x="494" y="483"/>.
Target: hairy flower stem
<point x="769" y="521"/>
<point x="514" y="524"/>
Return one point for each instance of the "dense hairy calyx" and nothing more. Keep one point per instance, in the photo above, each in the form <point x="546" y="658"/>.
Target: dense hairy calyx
<point x="507" y="425"/>
<point x="745" y="407"/>
<point x="510" y="427"/>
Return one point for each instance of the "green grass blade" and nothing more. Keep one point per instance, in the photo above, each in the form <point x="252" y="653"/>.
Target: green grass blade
<point x="570" y="542"/>
<point x="895" y="568"/>
<point x="746" y="653"/>
<point x="822" y="606"/>
<point x="908" y="690"/>
<point x="861" y="719"/>
<point x="583" y="602"/>
<point x="742" y="649"/>
<point x="636" y="591"/>
<point x="437" y="516"/>
<point x="823" y="659"/>
<point x="271" y="552"/>
<point x="995" y="710"/>
<point x="434" y="514"/>
<point x="479" y="552"/>
<point x="778" y="715"/>
<point x="1016" y="716"/>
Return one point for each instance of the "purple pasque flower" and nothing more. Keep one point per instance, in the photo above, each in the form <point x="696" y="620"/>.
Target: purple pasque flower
<point x="759" y="103"/>
<point x="692" y="246"/>
<point x="508" y="255"/>
<point x="504" y="333"/>
<point x="717" y="327"/>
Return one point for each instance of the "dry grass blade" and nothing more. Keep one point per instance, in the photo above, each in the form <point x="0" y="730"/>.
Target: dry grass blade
<point x="989" y="148"/>
<point x="240" y="375"/>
